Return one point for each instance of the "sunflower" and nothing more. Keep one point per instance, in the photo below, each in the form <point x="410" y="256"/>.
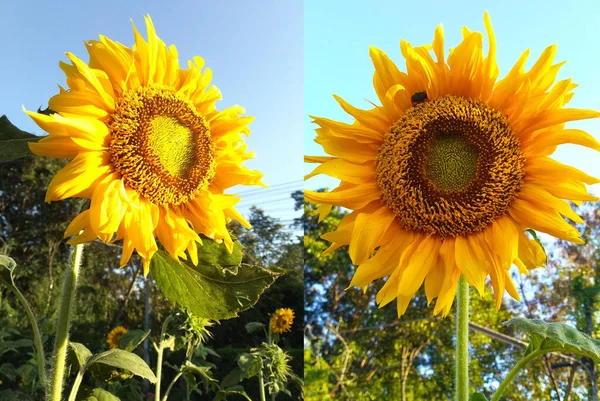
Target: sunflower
<point x="449" y="173"/>
<point x="148" y="148"/>
<point x="114" y="336"/>
<point x="282" y="320"/>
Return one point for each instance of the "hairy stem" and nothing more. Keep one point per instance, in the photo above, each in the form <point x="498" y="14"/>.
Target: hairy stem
<point x="462" y="341"/>
<point x="65" y="312"/>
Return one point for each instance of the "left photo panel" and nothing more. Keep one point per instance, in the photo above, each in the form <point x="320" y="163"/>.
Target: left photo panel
<point x="151" y="201"/>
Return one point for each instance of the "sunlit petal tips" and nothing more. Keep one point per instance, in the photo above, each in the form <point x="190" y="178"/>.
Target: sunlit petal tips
<point x="148" y="148"/>
<point x="445" y="177"/>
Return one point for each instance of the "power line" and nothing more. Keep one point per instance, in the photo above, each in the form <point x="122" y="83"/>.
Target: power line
<point x="289" y="183"/>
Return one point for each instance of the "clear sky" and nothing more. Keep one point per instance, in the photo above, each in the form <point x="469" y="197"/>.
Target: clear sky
<point x="254" y="48"/>
<point x="337" y="36"/>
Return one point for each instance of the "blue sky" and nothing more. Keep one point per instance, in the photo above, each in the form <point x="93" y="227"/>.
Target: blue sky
<point x="255" y="50"/>
<point x="337" y="36"/>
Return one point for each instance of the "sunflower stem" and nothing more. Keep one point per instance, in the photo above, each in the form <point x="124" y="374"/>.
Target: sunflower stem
<point x="37" y="338"/>
<point x="177" y="376"/>
<point x="462" y="341"/>
<point x="513" y="372"/>
<point x="261" y="386"/>
<point x="76" y="384"/>
<point x="159" y="358"/>
<point x="65" y="312"/>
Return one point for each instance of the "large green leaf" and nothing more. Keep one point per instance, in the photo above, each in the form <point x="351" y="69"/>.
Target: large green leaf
<point x="212" y="253"/>
<point x="210" y="291"/>
<point x="117" y="364"/>
<point x="130" y="340"/>
<point x="556" y="337"/>
<point x="13" y="141"/>
<point x="96" y="394"/>
<point x="477" y="397"/>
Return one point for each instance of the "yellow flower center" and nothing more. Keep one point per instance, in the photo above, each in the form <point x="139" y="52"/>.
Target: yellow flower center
<point x="450" y="166"/>
<point x="161" y="145"/>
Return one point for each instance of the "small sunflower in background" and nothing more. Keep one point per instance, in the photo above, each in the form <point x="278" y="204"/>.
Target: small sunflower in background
<point x="112" y="338"/>
<point x="148" y="148"/>
<point x="448" y="174"/>
<point x="281" y="320"/>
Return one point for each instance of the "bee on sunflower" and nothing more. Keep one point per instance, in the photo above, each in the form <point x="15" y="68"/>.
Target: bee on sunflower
<point x="446" y="177"/>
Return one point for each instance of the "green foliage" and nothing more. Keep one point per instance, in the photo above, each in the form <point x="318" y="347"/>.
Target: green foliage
<point x="250" y="364"/>
<point x="95" y="394"/>
<point x="7" y="266"/>
<point x="254" y="326"/>
<point x="77" y="355"/>
<point x="477" y="397"/>
<point x="130" y="340"/>
<point x="552" y="337"/>
<point x="13" y="141"/>
<point x="209" y="291"/>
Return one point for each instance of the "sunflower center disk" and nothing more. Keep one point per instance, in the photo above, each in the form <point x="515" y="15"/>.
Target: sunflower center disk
<point x="452" y="162"/>
<point x="450" y="166"/>
<point x="174" y="145"/>
<point x="161" y="146"/>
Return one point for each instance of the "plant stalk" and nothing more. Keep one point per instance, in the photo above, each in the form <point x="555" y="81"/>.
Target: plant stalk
<point x="159" y="358"/>
<point x="513" y="372"/>
<point x="462" y="341"/>
<point x="65" y="312"/>
<point x="261" y="386"/>
<point x="76" y="385"/>
<point x="177" y="376"/>
<point x="37" y="338"/>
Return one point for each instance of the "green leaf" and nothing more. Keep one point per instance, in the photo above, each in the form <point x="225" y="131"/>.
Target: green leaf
<point x="78" y="355"/>
<point x="556" y="337"/>
<point x="254" y="326"/>
<point x="212" y="253"/>
<point x="117" y="364"/>
<point x="203" y="371"/>
<point x="8" y="370"/>
<point x="7" y="266"/>
<point x="477" y="397"/>
<point x="209" y="291"/>
<point x="130" y="340"/>
<point x="28" y="372"/>
<point x="96" y="394"/>
<point x="223" y="394"/>
<point x="250" y="364"/>
<point x="232" y="378"/>
<point x="13" y="141"/>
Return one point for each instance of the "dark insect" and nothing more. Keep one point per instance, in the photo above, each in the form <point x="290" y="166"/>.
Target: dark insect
<point x="48" y="111"/>
<point x="418" y="97"/>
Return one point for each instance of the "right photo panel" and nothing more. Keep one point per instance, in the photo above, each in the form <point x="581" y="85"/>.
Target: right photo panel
<point x="451" y="224"/>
